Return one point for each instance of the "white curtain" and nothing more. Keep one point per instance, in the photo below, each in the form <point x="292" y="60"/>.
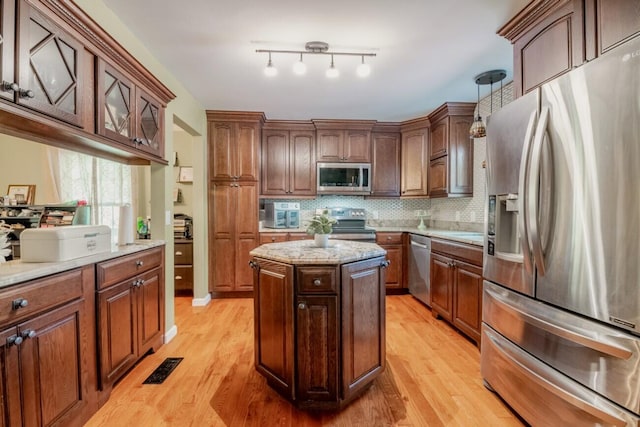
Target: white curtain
<point x="103" y="184"/>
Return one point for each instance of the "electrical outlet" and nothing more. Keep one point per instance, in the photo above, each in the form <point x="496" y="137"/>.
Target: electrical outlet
<point x="457" y="215"/>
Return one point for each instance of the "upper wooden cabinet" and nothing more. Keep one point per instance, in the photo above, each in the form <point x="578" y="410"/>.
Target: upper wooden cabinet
<point x="385" y="163"/>
<point x="126" y="113"/>
<point x="609" y="23"/>
<point x="49" y="66"/>
<point x="234" y="145"/>
<point x="288" y="160"/>
<point x="451" y="150"/>
<point x="343" y="140"/>
<point x="550" y="37"/>
<point x="52" y="66"/>
<point x="415" y="161"/>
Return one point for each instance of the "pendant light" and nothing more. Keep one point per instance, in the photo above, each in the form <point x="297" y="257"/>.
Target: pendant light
<point x="270" y="70"/>
<point x="478" y="128"/>
<point x="299" y="68"/>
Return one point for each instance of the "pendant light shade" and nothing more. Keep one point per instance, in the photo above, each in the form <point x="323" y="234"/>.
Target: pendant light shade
<point x="478" y="128"/>
<point x="299" y="68"/>
<point x="332" y="71"/>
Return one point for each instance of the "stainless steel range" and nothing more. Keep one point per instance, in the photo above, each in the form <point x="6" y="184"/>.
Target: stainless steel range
<point x="350" y="225"/>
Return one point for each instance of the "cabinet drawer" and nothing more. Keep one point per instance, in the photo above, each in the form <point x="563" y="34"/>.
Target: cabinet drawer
<point x="39" y="295"/>
<point x="183" y="253"/>
<point x="469" y="253"/>
<point x="299" y="236"/>
<point x="272" y="237"/>
<point x="317" y="279"/>
<point x="183" y="278"/>
<point x="389" y="238"/>
<point x="116" y="270"/>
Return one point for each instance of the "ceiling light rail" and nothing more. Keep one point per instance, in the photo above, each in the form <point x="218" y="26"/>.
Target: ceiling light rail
<point x="316" y="48"/>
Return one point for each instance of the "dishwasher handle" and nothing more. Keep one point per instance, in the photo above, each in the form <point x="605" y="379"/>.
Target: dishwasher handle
<point x="420" y="245"/>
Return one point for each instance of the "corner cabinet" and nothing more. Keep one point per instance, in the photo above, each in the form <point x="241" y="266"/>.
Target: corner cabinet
<point x="319" y="329"/>
<point x="451" y="150"/>
<point x="456" y="285"/>
<point x="415" y="158"/>
<point x="385" y="162"/>
<point x="288" y="161"/>
<point x="47" y="351"/>
<point x="130" y="303"/>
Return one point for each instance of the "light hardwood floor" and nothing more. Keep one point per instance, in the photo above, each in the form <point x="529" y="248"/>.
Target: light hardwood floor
<point x="432" y="378"/>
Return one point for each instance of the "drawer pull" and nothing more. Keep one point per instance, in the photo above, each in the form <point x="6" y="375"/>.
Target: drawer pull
<point x="19" y="303"/>
<point x="139" y="263"/>
<point x="28" y="333"/>
<point x="317" y="282"/>
<point x="302" y="306"/>
<point x="385" y="264"/>
<point x="178" y="277"/>
<point x="14" y="340"/>
<point x="140" y="282"/>
<point x="178" y="253"/>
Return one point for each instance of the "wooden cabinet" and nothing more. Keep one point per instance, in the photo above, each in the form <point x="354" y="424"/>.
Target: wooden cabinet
<point x="277" y="237"/>
<point x="288" y="162"/>
<point x="234" y="168"/>
<point x="343" y="140"/>
<point x="47" y="351"/>
<point x="451" y="150"/>
<point x="234" y="142"/>
<point x="385" y="164"/>
<point x="183" y="265"/>
<point x="49" y="66"/>
<point x="609" y="23"/>
<point x="456" y="285"/>
<point x="319" y="330"/>
<point x="415" y="158"/>
<point x="233" y="234"/>
<point x="130" y="302"/>
<point x="393" y="244"/>
<point x="7" y="49"/>
<point x="126" y="113"/>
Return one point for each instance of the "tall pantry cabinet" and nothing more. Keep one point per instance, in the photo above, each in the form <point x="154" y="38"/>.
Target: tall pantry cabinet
<point x="234" y="168"/>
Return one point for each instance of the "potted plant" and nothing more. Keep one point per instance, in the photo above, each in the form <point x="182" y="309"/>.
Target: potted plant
<point x="320" y="226"/>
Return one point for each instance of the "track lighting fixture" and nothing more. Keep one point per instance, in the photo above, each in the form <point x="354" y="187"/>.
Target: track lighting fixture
<point x="317" y="48"/>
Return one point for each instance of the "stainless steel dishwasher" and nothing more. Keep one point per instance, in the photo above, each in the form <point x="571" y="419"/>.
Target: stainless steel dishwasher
<point x="419" y="270"/>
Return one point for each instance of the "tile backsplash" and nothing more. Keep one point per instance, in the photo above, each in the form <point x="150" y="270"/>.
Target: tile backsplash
<point x="464" y="213"/>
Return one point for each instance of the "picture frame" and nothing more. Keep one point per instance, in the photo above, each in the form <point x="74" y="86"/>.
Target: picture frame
<point x="185" y="174"/>
<point x="23" y="194"/>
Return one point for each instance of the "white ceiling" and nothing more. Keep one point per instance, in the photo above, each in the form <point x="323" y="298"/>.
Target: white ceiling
<point x="428" y="52"/>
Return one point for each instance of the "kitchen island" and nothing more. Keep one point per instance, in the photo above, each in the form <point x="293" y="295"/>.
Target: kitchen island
<point x="319" y="319"/>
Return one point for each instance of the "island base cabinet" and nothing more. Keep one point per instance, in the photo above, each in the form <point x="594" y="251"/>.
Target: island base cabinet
<point x="363" y="324"/>
<point x="317" y="347"/>
<point x="273" y="324"/>
<point x="319" y="329"/>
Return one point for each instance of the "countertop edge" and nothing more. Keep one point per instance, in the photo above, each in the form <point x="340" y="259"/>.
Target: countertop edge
<point x="15" y="272"/>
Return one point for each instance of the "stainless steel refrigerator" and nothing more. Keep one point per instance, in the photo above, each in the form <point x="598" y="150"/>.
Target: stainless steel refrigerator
<point x="561" y="298"/>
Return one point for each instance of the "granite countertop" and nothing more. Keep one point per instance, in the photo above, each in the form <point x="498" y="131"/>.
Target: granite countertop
<point x="306" y="252"/>
<point x="13" y="272"/>
<point x="469" y="237"/>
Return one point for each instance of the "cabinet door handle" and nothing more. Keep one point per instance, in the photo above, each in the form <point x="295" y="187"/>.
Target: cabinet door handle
<point x="139" y="263"/>
<point x="317" y="282"/>
<point x="140" y="282"/>
<point x="28" y="333"/>
<point x="253" y="264"/>
<point x="178" y="253"/>
<point x="385" y="264"/>
<point x="14" y="340"/>
<point x="9" y="86"/>
<point x="302" y="306"/>
<point x="135" y="283"/>
<point x="26" y="93"/>
<point x="178" y="277"/>
<point x="19" y="303"/>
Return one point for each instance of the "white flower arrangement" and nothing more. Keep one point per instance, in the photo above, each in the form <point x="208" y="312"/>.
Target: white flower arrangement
<point x="5" y="246"/>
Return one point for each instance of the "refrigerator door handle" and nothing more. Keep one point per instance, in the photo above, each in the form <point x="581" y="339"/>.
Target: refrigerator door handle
<point x="522" y="188"/>
<point x="533" y="188"/>
<point x="559" y="386"/>
<point x="602" y="343"/>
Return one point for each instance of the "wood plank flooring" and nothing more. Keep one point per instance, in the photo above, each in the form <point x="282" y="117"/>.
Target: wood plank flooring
<point x="432" y="378"/>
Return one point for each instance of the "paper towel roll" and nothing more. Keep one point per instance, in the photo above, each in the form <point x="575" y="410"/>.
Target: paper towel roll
<point x="126" y="226"/>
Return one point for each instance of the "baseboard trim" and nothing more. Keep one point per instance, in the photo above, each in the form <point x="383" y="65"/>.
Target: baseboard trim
<point x="201" y="302"/>
<point x="170" y="334"/>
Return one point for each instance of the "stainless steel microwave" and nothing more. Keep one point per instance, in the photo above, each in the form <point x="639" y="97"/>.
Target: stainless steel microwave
<point x="344" y="178"/>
